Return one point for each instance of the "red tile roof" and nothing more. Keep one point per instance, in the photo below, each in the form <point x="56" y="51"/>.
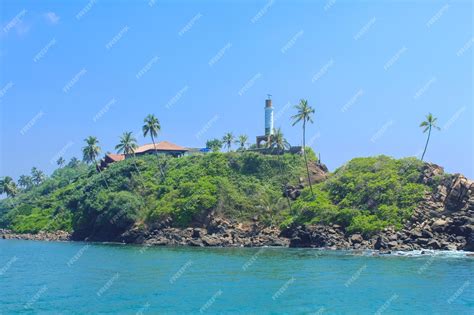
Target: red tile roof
<point x="160" y="146"/>
<point x="116" y="157"/>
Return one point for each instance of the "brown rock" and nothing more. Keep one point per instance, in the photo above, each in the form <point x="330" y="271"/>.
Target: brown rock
<point x="356" y="238"/>
<point x="439" y="225"/>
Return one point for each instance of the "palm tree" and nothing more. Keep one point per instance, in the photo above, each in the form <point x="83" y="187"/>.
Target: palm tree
<point x="61" y="161"/>
<point x="304" y="114"/>
<point x="91" y="151"/>
<point x="242" y="141"/>
<point x="228" y="139"/>
<point x="152" y="126"/>
<point x="25" y="181"/>
<point x="428" y="124"/>
<point x="127" y="144"/>
<point x="37" y="176"/>
<point x="8" y="186"/>
<point x="74" y="162"/>
<point x="278" y="141"/>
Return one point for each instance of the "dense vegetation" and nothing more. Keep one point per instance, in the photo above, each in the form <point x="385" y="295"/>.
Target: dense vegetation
<point x="148" y="189"/>
<point x="365" y="195"/>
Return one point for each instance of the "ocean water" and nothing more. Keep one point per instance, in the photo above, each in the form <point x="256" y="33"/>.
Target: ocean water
<point x="80" y="278"/>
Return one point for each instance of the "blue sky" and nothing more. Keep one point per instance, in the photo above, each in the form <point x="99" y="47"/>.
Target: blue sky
<point x="371" y="69"/>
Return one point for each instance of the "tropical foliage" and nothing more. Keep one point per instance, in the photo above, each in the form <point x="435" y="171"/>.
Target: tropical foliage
<point x="236" y="185"/>
<point x="91" y="151"/>
<point x="127" y="144"/>
<point x="365" y="195"/>
<point x="242" y="142"/>
<point x="215" y="145"/>
<point x="228" y="139"/>
<point x="151" y="126"/>
<point x="8" y="186"/>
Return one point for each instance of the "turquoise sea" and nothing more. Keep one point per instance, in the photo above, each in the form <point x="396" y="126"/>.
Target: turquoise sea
<point x="80" y="278"/>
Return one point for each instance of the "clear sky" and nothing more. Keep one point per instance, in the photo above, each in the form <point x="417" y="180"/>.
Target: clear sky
<point x="371" y="69"/>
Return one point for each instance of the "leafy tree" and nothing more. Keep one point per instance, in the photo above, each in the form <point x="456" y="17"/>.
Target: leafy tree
<point x="25" y="181"/>
<point x="151" y="126"/>
<point x="428" y="124"/>
<point x="91" y="150"/>
<point x="37" y="176"/>
<point x="8" y="186"/>
<point x="127" y="144"/>
<point x="304" y="114"/>
<point x="228" y="139"/>
<point x="242" y="141"/>
<point x="61" y="161"/>
<point x="215" y="145"/>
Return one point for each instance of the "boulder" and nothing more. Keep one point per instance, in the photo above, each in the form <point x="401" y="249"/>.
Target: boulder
<point x="469" y="243"/>
<point x="392" y="244"/>
<point x="380" y="244"/>
<point x="434" y="244"/>
<point x="210" y="241"/>
<point x="427" y="234"/>
<point x="356" y="238"/>
<point x="458" y="194"/>
<point x="439" y="225"/>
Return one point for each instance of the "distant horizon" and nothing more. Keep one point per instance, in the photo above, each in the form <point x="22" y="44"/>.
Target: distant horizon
<point x="206" y="68"/>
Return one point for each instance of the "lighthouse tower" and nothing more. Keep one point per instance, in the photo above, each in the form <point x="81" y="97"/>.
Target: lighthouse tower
<point x="268" y="117"/>
<point x="269" y="128"/>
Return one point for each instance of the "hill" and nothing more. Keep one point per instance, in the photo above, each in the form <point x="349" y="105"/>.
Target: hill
<point x="249" y="199"/>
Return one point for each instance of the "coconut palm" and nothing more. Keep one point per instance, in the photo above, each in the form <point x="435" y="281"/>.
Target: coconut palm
<point x="428" y="124"/>
<point x="242" y="141"/>
<point x="278" y="140"/>
<point x="61" y="161"/>
<point x="152" y="126"/>
<point x="304" y="114"/>
<point x="37" y="176"/>
<point x="91" y="151"/>
<point x="228" y="139"/>
<point x="25" y="181"/>
<point x="74" y="162"/>
<point x="8" y="186"/>
<point x="127" y="144"/>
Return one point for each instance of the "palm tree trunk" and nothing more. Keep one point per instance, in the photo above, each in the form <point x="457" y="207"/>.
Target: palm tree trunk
<point x="138" y="171"/>
<point x="305" y="158"/>
<point x="154" y="146"/>
<point x="426" y="145"/>
<point x="156" y="153"/>
<point x="100" y="173"/>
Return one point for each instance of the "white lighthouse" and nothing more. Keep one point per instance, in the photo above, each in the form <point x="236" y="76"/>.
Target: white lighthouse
<point x="269" y="129"/>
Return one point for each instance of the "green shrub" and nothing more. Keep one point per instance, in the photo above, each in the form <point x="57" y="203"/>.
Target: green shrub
<point x="366" y="224"/>
<point x="369" y="194"/>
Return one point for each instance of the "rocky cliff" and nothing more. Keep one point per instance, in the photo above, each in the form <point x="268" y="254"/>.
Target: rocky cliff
<point x="443" y="220"/>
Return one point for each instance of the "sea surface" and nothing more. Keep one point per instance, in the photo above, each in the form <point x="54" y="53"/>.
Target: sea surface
<point x="80" y="278"/>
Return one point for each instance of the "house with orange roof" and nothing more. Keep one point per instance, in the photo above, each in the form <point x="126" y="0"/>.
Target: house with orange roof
<point x="163" y="147"/>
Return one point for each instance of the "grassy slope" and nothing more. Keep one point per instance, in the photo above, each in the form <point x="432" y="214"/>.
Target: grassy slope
<point x="365" y="195"/>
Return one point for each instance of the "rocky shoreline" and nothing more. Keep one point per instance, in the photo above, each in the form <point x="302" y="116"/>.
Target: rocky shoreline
<point x="41" y="236"/>
<point x="444" y="220"/>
